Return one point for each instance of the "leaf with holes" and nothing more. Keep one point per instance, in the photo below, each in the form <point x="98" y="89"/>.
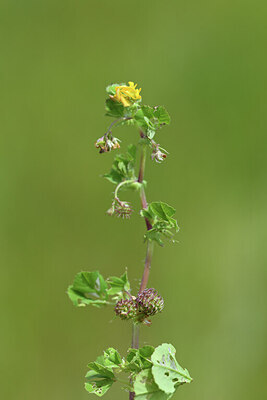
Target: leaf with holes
<point x="99" y="379"/>
<point x="100" y="376"/>
<point x="89" y="288"/>
<point x="145" y="387"/>
<point x="168" y="374"/>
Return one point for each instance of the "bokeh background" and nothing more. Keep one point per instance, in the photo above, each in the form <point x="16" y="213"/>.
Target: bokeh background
<point x="206" y="62"/>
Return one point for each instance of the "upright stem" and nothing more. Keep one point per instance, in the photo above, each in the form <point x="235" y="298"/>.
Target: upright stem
<point x="135" y="337"/>
<point x="145" y="277"/>
<point x="135" y="333"/>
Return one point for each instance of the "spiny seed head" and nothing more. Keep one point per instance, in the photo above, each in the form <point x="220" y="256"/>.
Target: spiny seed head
<point x="149" y="302"/>
<point x="122" y="209"/>
<point x="126" y="309"/>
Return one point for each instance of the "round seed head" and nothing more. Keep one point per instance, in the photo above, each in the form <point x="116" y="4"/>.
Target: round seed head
<point x="149" y="302"/>
<point x="126" y="309"/>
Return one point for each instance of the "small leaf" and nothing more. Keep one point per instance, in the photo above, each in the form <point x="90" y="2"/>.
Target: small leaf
<point x="154" y="235"/>
<point x="100" y="376"/>
<point x="111" y="89"/>
<point x="168" y="374"/>
<point x="114" y="109"/>
<point x="123" y="167"/>
<point x="113" y="356"/>
<point x="145" y="387"/>
<point x="139" y="359"/>
<point x="162" y="210"/>
<point x="89" y="288"/>
<point x="99" y="379"/>
<point x="118" y="285"/>
<point x="162" y="115"/>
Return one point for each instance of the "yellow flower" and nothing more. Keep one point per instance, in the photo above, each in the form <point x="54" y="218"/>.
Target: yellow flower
<point x="127" y="94"/>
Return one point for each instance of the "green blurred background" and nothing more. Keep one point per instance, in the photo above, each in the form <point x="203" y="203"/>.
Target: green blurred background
<point x="205" y="61"/>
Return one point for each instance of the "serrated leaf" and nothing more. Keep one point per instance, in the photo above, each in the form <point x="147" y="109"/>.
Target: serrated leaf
<point x="162" y="115"/>
<point x="131" y="151"/>
<point x="162" y="210"/>
<point x="148" y="111"/>
<point x="89" y="288"/>
<point x="154" y="235"/>
<point x="167" y="373"/>
<point x="114" y="109"/>
<point x="145" y="387"/>
<point x="123" y="167"/>
<point x="160" y="216"/>
<point x="100" y="376"/>
<point x="113" y="356"/>
<point x="139" y="359"/>
<point x="113" y="176"/>
<point x="118" y="285"/>
<point x="99" y="379"/>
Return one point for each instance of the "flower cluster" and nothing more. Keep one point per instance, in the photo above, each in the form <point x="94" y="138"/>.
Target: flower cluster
<point x="146" y="304"/>
<point x="126" y="95"/>
<point x="107" y="143"/>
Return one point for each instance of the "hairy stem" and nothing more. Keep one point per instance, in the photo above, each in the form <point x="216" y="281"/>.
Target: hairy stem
<point x="135" y="334"/>
<point x="145" y="277"/>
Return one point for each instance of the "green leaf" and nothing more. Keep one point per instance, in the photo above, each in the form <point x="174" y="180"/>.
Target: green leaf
<point x="100" y="376"/>
<point x="160" y="216"/>
<point x="145" y="387"/>
<point x="152" y="234"/>
<point x="162" y="210"/>
<point x="168" y="374"/>
<point x="89" y="288"/>
<point x="110" y="89"/>
<point x="162" y="115"/>
<point x="123" y="167"/>
<point x="113" y="357"/>
<point x="99" y="379"/>
<point x="114" y="109"/>
<point x="139" y="359"/>
<point x="118" y="286"/>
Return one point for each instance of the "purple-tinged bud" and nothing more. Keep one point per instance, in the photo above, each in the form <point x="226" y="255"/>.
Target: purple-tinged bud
<point x="126" y="309"/>
<point x="149" y="302"/>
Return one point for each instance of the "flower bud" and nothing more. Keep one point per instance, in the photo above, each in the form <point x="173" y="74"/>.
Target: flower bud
<point x="149" y="302"/>
<point x="126" y="309"/>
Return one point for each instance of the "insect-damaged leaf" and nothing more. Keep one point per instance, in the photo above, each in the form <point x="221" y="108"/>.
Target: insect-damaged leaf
<point x="100" y="376"/>
<point x="145" y="387"/>
<point x="168" y="374"/>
